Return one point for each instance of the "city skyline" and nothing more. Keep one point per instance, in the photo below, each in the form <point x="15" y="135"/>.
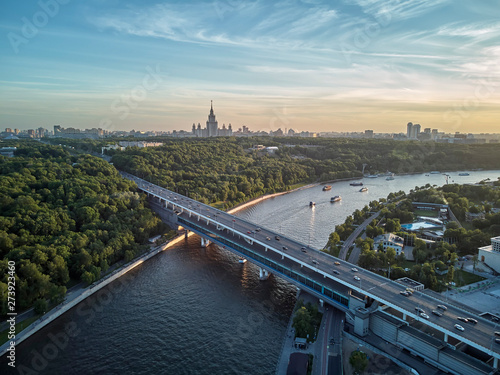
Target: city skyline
<point x="306" y="65"/>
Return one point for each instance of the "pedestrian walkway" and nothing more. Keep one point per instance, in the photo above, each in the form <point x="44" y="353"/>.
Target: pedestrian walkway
<point x="288" y="346"/>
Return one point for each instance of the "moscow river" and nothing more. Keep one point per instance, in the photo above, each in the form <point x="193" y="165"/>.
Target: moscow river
<point x="191" y="310"/>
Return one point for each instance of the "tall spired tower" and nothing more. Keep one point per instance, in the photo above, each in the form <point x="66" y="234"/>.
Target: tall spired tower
<point x="212" y="125"/>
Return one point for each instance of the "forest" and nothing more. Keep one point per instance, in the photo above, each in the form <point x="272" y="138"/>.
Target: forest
<point x="65" y="219"/>
<point x="228" y="170"/>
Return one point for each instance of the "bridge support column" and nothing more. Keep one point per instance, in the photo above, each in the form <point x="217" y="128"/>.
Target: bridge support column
<point x="404" y="316"/>
<point x="204" y="242"/>
<point x="321" y="302"/>
<point x="495" y="362"/>
<point x="186" y="234"/>
<point x="445" y="337"/>
<point x="263" y="274"/>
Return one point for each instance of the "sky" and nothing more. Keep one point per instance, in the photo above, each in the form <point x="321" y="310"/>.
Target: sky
<point x="309" y="65"/>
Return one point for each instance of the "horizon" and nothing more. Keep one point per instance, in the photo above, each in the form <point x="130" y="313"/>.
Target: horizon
<point x="305" y="64"/>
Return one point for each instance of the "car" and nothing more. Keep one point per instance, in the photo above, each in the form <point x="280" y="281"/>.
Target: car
<point x="336" y="263"/>
<point x="277" y="238"/>
<point x="303" y="248"/>
<point x="404" y="293"/>
<point x="459" y="327"/>
<point x="497" y="333"/>
<point x="472" y="320"/>
<point x="442" y="307"/>
<point x="315" y="261"/>
<point x="357" y="278"/>
<point x="285" y="248"/>
<point x="419" y="310"/>
<point x="268" y="238"/>
<point x="465" y="320"/>
<point x="436" y="312"/>
<point x="495" y="319"/>
<point x="424" y="315"/>
<point x="258" y="230"/>
<point x="249" y="232"/>
<point x="354" y="269"/>
<point x="338" y="273"/>
<point x="497" y="341"/>
<point x="410" y="290"/>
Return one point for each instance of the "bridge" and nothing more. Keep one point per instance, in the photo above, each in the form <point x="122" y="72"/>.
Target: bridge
<point x="371" y="302"/>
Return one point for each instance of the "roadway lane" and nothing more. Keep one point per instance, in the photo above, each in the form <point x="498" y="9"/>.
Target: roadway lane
<point x="320" y="266"/>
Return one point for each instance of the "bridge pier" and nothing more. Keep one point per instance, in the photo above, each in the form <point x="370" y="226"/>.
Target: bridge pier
<point x="263" y="274"/>
<point x="204" y="242"/>
<point x="495" y="362"/>
<point x="186" y="234"/>
<point x="445" y="337"/>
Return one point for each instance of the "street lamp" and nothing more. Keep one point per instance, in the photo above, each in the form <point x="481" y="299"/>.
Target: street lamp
<point x="234" y="220"/>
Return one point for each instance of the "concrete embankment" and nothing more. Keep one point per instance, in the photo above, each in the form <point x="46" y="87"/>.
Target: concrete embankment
<point x="77" y="297"/>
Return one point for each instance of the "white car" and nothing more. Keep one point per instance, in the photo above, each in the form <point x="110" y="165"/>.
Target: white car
<point x="459" y="327"/>
<point x="424" y="315"/>
<point x="354" y="269"/>
<point x="356" y="278"/>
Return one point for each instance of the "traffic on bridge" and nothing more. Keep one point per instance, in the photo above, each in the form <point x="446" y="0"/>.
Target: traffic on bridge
<point x="322" y="273"/>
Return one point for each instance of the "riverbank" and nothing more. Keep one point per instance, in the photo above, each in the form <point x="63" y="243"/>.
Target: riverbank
<point x="79" y="296"/>
<point x="73" y="299"/>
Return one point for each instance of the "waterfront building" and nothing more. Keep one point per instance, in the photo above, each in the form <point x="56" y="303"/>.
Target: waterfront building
<point x="490" y="254"/>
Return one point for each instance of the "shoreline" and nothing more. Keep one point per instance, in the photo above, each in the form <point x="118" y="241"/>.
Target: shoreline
<point x="83" y="294"/>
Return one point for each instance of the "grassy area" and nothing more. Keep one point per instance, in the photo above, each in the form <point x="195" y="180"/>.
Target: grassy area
<point x="427" y="213"/>
<point x="19" y="327"/>
<point x="462" y="278"/>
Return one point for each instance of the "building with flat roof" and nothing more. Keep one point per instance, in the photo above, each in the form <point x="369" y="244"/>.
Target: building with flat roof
<point x="490" y="254"/>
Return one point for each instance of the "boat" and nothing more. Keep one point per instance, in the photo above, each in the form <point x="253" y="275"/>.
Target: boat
<point x="435" y="172"/>
<point x="371" y="176"/>
<point x="242" y="260"/>
<point x="391" y="177"/>
<point x="312" y="204"/>
<point x="464" y="174"/>
<point x="362" y="190"/>
<point x="356" y="184"/>
<point x="327" y="187"/>
<point x="336" y="198"/>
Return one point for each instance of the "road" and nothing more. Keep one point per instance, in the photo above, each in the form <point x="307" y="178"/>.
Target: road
<point x="320" y="266"/>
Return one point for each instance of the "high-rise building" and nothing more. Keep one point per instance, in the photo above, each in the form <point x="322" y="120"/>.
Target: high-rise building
<point x="409" y="130"/>
<point x="416" y="131"/>
<point x="212" y="129"/>
<point x="368" y="133"/>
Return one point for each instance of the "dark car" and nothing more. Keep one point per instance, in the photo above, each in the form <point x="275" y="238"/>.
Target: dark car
<point x="277" y="238"/>
<point x="285" y="248"/>
<point x="463" y="319"/>
<point x="436" y="312"/>
<point x="472" y="320"/>
<point x="336" y="272"/>
<point x="419" y="310"/>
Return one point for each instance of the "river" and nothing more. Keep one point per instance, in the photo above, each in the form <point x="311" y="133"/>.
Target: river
<point x="191" y="310"/>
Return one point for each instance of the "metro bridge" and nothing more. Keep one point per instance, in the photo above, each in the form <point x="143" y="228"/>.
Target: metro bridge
<point x="357" y="292"/>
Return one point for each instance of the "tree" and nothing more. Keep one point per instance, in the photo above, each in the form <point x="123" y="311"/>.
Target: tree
<point x="358" y="361"/>
<point x="451" y="274"/>
<point x="40" y="306"/>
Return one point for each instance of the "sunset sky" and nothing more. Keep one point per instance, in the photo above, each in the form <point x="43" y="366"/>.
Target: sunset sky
<point x="346" y="65"/>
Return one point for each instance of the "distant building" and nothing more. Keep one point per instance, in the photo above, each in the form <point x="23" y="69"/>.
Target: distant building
<point x="368" y="133"/>
<point x="212" y="127"/>
<point x="490" y="254"/>
<point x="8" y="151"/>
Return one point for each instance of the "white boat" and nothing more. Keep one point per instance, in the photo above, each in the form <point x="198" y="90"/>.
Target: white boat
<point x="435" y="172"/>
<point x="242" y="260"/>
<point x="391" y="177"/>
<point x="336" y="198"/>
<point x="362" y="190"/>
<point x="464" y="174"/>
<point x="371" y="176"/>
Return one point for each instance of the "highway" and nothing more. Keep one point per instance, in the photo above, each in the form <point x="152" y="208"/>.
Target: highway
<point x="320" y="266"/>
